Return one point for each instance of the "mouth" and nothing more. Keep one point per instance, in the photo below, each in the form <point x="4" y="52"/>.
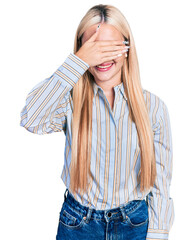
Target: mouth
<point x="104" y="67"/>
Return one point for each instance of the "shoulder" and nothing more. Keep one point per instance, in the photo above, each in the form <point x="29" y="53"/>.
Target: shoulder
<point x="156" y="106"/>
<point x="152" y="98"/>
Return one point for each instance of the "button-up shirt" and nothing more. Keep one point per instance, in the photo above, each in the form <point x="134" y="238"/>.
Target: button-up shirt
<point x="115" y="154"/>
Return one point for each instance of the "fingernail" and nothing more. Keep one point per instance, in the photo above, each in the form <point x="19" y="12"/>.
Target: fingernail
<point x="125" y="42"/>
<point x="125" y="50"/>
<point x="98" y="27"/>
<point x="127" y="46"/>
<point x="125" y="54"/>
<point x="120" y="54"/>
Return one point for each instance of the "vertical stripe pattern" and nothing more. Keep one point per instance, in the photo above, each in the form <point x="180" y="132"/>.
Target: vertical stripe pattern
<point x="115" y="158"/>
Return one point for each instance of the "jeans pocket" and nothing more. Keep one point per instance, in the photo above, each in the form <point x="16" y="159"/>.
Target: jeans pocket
<point x="70" y="218"/>
<point x="139" y="216"/>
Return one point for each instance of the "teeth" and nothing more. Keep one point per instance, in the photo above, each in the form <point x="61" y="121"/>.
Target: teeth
<point x="104" y="66"/>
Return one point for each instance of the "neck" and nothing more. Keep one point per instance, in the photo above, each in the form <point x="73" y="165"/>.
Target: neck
<point x="108" y="85"/>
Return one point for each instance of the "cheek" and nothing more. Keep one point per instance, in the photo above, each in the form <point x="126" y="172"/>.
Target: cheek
<point x="91" y="70"/>
<point x="120" y="61"/>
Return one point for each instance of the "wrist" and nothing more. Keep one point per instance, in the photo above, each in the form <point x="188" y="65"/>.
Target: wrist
<point x="81" y="59"/>
<point x="80" y="56"/>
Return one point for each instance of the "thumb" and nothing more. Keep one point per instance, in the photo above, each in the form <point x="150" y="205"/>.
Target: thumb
<point x="93" y="37"/>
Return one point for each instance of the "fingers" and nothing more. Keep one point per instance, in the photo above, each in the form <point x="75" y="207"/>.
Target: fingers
<point x="106" y="42"/>
<point x="106" y="59"/>
<point x="113" y="56"/>
<point x="114" y="53"/>
<point x="93" y="37"/>
<point x="114" y="48"/>
<point x="111" y="43"/>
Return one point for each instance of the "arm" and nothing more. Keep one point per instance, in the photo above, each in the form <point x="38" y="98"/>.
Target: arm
<point x="47" y="103"/>
<point x="160" y="204"/>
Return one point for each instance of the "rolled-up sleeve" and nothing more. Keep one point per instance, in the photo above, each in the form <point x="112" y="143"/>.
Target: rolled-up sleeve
<point x="160" y="204"/>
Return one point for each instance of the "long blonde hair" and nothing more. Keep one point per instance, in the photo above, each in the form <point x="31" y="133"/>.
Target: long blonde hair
<point x="82" y="94"/>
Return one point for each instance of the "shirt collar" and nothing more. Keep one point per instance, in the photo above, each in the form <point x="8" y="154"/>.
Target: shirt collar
<point x="118" y="87"/>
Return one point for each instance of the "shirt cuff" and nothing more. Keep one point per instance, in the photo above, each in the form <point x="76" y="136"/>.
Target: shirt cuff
<point x="80" y="60"/>
<point x="71" y="70"/>
<point x="156" y="234"/>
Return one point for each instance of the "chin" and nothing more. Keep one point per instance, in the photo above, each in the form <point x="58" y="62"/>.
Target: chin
<point x="103" y="78"/>
<point x="105" y="75"/>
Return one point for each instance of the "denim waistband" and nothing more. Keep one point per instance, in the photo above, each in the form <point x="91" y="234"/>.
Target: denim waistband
<point x="107" y="214"/>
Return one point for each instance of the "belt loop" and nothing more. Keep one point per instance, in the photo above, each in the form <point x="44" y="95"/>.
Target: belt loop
<point x="65" y="194"/>
<point x="123" y="212"/>
<point x="88" y="215"/>
<point x="147" y="201"/>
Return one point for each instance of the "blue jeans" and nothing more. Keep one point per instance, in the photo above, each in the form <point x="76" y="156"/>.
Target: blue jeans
<point x="76" y="221"/>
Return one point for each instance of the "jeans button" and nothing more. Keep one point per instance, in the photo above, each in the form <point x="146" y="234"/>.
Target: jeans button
<point x="109" y="214"/>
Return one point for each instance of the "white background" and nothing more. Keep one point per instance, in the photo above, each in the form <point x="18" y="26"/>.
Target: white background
<point x="36" y="38"/>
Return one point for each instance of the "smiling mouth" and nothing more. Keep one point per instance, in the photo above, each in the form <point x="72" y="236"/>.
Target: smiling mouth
<point x="106" y="66"/>
<point x="103" y="67"/>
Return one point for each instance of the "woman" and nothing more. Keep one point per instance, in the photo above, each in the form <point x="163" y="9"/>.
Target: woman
<point x="118" y="152"/>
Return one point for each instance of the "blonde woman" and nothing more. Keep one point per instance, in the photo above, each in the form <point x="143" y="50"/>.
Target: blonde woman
<point x="118" y="151"/>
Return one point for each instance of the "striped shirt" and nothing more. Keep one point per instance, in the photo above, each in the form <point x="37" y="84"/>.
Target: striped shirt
<point x="115" y="153"/>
